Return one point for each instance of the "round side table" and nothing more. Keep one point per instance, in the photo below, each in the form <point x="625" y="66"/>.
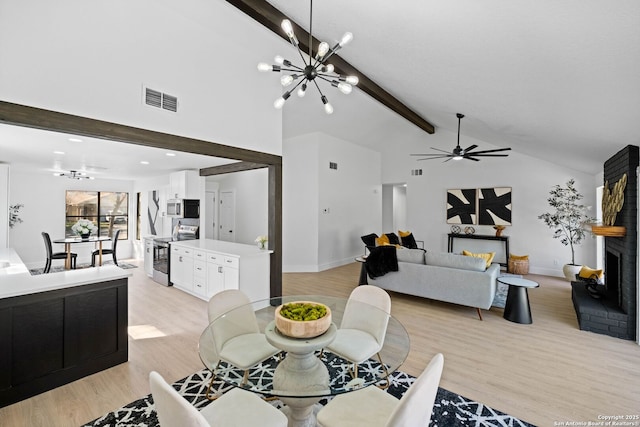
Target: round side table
<point x="517" y="308"/>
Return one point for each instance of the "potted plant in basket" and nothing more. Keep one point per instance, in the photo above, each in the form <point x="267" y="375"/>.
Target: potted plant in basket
<point x="567" y="220"/>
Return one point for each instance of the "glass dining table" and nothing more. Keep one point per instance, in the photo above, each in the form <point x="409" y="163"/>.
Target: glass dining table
<point x="68" y="241"/>
<point x="305" y="370"/>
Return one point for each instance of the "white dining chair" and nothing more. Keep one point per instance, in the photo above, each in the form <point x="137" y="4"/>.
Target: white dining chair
<point x="373" y="407"/>
<point x="363" y="327"/>
<point x="236" y="335"/>
<point x="234" y="408"/>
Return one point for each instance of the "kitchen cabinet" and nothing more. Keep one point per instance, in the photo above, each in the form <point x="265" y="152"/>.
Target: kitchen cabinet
<point x="181" y="267"/>
<point x="148" y="256"/>
<point x="219" y="266"/>
<point x="185" y="185"/>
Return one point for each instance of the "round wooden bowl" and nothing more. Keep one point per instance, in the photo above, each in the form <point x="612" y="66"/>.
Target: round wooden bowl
<point x="302" y="329"/>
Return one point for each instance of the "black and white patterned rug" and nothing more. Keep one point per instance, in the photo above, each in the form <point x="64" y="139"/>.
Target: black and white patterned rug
<point x="59" y="268"/>
<point x="450" y="409"/>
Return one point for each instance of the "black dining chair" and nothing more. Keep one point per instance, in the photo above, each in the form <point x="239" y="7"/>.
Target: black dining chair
<point x="55" y="255"/>
<point x="112" y="250"/>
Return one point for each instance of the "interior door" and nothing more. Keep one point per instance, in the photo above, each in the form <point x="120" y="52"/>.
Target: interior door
<point x="227" y="220"/>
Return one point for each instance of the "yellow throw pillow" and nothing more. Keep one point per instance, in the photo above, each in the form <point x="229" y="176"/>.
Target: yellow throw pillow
<point x="518" y="257"/>
<point x="404" y="233"/>
<point x="589" y="273"/>
<point x="488" y="257"/>
<point x="382" y="240"/>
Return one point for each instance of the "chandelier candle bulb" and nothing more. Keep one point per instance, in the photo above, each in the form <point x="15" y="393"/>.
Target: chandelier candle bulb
<point x="323" y="48"/>
<point x="287" y="80"/>
<point x="263" y="67"/>
<point x="353" y="80"/>
<point x="279" y="60"/>
<point x="302" y="91"/>
<point x="346" y="39"/>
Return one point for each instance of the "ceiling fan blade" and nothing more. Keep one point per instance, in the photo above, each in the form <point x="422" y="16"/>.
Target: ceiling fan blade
<point x="471" y="147"/>
<point x="471" y="158"/>
<point x="437" y="157"/>
<point x="490" y="151"/>
<point x="432" y="154"/>
<point x="437" y="149"/>
<point x="489" y="155"/>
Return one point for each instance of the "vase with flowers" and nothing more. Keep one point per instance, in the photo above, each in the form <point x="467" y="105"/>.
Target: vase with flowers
<point x="262" y="241"/>
<point x="83" y="228"/>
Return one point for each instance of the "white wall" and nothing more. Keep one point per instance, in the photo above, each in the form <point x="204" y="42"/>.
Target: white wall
<point x="324" y="208"/>
<point x="92" y="59"/>
<point x="43" y="197"/>
<point x="252" y="199"/>
<point x="530" y="179"/>
<point x="300" y="203"/>
<point x="4" y="205"/>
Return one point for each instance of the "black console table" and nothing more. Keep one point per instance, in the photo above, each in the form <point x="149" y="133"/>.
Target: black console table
<point x="504" y="239"/>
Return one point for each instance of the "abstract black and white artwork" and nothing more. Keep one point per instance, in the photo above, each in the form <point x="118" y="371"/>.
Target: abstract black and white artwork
<point x="494" y="206"/>
<point x="461" y="206"/>
<point x="153" y="211"/>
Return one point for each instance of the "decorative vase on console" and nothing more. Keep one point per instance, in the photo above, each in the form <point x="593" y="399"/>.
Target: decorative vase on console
<point x="262" y="241"/>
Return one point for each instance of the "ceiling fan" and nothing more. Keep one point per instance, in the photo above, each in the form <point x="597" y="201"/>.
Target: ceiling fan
<point x="458" y="153"/>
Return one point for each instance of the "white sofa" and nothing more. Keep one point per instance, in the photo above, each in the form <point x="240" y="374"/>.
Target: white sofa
<point x="440" y="276"/>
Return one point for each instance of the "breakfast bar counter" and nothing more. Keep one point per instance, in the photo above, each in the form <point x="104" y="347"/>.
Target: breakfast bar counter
<point x="59" y="327"/>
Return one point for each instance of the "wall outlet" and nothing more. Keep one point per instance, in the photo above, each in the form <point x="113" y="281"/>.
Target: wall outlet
<point x="556" y="262"/>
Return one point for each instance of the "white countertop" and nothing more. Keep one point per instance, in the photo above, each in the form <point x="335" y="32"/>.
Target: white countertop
<point x="16" y="280"/>
<point x="225" y="248"/>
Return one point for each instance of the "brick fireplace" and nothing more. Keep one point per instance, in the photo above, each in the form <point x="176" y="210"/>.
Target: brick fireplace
<point x="614" y="313"/>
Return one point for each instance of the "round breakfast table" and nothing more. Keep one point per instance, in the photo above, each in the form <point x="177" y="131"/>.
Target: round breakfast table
<point x="308" y="371"/>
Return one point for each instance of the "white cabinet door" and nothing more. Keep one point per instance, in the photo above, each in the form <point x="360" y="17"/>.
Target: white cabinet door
<point x="215" y="279"/>
<point x="182" y="267"/>
<point x="231" y="271"/>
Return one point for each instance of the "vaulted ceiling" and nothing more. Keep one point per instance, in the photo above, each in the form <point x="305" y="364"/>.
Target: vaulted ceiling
<point x="554" y="80"/>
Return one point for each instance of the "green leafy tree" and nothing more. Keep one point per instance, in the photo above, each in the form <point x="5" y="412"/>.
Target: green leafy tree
<point x="569" y="216"/>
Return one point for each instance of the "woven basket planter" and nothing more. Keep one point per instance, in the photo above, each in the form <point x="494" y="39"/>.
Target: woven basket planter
<point x="520" y="266"/>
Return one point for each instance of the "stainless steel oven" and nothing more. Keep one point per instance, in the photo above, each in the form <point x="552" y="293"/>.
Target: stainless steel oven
<point x="161" y="261"/>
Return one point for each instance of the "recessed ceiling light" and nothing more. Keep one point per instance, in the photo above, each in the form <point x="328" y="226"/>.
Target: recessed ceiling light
<point x="171" y="154"/>
<point x="75" y="140"/>
<point x="144" y="162"/>
<point x="58" y="152"/>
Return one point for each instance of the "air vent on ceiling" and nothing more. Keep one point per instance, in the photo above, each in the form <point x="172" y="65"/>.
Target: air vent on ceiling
<point x="158" y="99"/>
<point x="416" y="172"/>
<point x="333" y="165"/>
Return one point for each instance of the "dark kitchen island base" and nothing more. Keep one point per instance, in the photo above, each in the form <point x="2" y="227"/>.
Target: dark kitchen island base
<point x="55" y="337"/>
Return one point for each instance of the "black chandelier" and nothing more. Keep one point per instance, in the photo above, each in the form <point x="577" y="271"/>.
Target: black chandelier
<point x="74" y="175"/>
<point x="315" y="68"/>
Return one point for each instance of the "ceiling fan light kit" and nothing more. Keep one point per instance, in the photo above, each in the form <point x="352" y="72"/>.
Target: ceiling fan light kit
<point x="315" y="68"/>
<point x="458" y="153"/>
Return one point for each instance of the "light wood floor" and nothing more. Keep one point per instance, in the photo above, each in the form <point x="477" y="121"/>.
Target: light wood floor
<point x="542" y="373"/>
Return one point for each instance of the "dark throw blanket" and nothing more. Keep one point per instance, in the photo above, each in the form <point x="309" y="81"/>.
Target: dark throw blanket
<point x="381" y="260"/>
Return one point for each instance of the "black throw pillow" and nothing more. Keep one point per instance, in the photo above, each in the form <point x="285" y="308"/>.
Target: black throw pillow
<point x="409" y="241"/>
<point x="393" y="238"/>
<point x="369" y="239"/>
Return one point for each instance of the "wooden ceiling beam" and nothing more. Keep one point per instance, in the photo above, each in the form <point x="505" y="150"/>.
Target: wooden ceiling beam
<point x="270" y="17"/>
<point x="231" y="168"/>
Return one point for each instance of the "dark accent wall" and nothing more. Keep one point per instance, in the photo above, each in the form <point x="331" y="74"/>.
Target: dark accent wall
<point x="625" y="161"/>
<point x="614" y="313"/>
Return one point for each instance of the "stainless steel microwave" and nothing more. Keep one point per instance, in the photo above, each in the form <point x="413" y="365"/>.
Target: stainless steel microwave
<point x="183" y="208"/>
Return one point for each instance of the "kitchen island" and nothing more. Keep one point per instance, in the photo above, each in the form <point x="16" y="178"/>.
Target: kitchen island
<point x="205" y="267"/>
<point x="59" y="327"/>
